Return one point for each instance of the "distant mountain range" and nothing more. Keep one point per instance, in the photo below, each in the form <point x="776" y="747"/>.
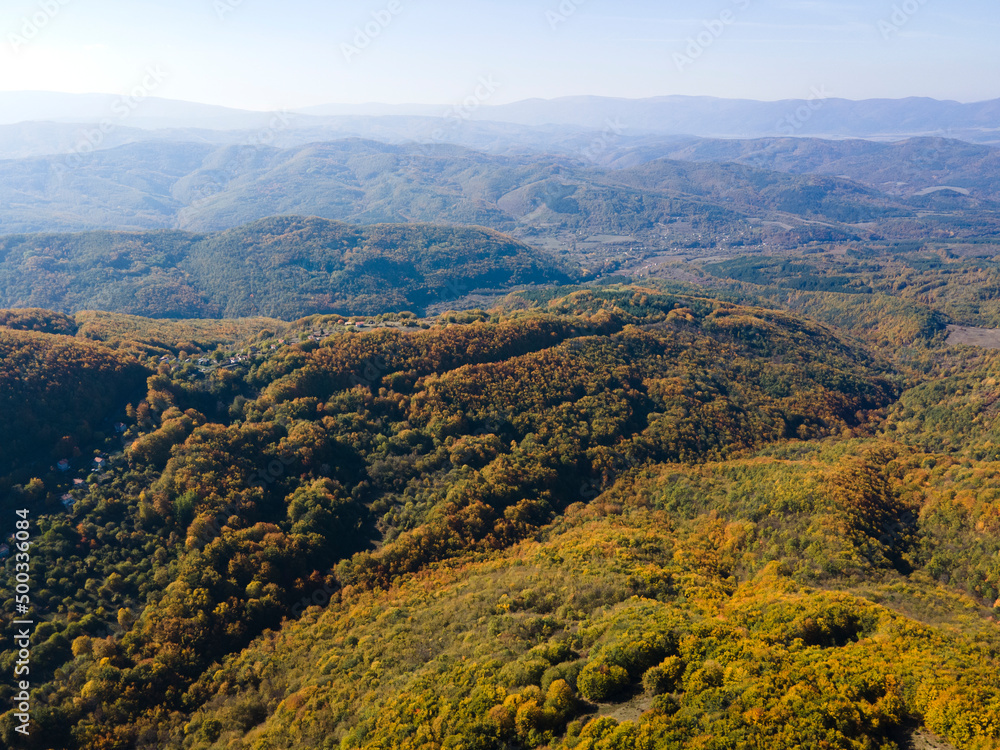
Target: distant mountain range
<point x="141" y="111"/>
<point x="815" y="115"/>
<point x="907" y="168"/>
<point x="552" y="175"/>
<point x="202" y="187"/>
<point x="818" y="115"/>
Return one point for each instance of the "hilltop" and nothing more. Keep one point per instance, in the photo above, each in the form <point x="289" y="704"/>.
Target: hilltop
<point x="285" y="267"/>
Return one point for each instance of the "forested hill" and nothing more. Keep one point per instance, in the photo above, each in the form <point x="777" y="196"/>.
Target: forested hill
<point x="56" y="392"/>
<point x="203" y="188"/>
<point x="590" y="518"/>
<point x="285" y="267"/>
<point x="384" y="454"/>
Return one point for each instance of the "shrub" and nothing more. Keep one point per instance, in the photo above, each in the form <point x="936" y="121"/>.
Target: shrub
<point x="555" y="652"/>
<point x="664" y="677"/>
<point x="560" y="703"/>
<point x="639" y="655"/>
<point x="568" y="671"/>
<point x="711" y="675"/>
<point x="529" y="721"/>
<point x="211" y="729"/>
<point x="523" y="672"/>
<point x="601" y="682"/>
<point x="599" y="728"/>
<point x="666" y="704"/>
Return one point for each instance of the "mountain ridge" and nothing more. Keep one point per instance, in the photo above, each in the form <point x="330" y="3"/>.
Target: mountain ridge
<point x="202" y="187"/>
<point x="823" y="114"/>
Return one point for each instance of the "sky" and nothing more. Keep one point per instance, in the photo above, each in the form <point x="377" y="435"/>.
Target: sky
<point x="267" y="55"/>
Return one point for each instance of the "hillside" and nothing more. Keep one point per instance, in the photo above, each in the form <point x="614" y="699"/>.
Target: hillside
<point x="56" y="392"/>
<point x="281" y="268"/>
<point x="455" y="441"/>
<point x="705" y="471"/>
<point x="197" y="186"/>
<point x="602" y="219"/>
<point x="901" y="168"/>
<point x="592" y="518"/>
<point x="754" y="191"/>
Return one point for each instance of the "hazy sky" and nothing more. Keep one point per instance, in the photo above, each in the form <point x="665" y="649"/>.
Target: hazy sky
<point x="265" y="54"/>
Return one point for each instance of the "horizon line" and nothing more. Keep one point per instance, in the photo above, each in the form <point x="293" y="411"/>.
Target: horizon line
<point x="487" y="106"/>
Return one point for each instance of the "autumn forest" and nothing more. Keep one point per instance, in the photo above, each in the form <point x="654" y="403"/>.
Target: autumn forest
<point x="653" y="515"/>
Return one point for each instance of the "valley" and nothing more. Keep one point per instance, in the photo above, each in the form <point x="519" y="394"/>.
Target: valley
<point x="367" y="443"/>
